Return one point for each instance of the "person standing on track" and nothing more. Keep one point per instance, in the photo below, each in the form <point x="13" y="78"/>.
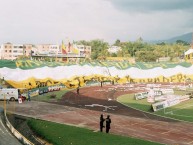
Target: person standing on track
<point x="77" y="90"/>
<point x="108" y="123"/>
<point x="101" y="123"/>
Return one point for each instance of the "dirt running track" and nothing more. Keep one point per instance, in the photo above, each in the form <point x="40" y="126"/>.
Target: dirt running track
<point x="71" y="109"/>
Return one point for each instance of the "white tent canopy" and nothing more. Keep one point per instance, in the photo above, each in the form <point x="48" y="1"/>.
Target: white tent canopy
<point x="189" y="51"/>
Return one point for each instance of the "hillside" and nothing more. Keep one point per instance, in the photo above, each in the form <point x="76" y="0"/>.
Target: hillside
<point x="185" y="37"/>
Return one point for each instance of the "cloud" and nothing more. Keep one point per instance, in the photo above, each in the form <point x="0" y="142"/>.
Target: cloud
<point x="51" y="21"/>
<point x="152" y="5"/>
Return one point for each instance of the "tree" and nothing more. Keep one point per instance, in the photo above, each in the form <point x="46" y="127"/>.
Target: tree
<point x="182" y="42"/>
<point x="98" y="47"/>
<point x="146" y="56"/>
<point x="117" y="42"/>
<point x="113" y="55"/>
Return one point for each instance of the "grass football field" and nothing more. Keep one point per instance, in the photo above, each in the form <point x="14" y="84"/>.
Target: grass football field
<point x="182" y="111"/>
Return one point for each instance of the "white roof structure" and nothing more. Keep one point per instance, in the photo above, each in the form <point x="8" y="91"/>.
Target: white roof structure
<point x="189" y="51"/>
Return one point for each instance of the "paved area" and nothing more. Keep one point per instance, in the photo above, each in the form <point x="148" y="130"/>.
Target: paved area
<point x="6" y="138"/>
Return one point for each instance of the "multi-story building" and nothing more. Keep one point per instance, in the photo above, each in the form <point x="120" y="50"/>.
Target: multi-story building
<point x="84" y="50"/>
<point x="17" y="50"/>
<point x="54" y="49"/>
<point x="11" y="51"/>
<point x="88" y="51"/>
<point x="27" y="49"/>
<point x="43" y="48"/>
<point x="6" y="51"/>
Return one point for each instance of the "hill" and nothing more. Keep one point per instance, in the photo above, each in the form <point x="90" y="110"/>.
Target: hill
<point x="185" y="37"/>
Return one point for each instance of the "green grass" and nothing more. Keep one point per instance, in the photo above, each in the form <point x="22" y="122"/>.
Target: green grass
<point x="129" y="100"/>
<point x="59" y="134"/>
<point x="47" y="96"/>
<point x="182" y="111"/>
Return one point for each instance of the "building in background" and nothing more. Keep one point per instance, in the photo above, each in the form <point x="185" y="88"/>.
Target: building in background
<point x="43" y="49"/>
<point x="54" y="49"/>
<point x="84" y="50"/>
<point x="28" y="49"/>
<point x="11" y="51"/>
<point x="62" y="52"/>
<point x="114" y="49"/>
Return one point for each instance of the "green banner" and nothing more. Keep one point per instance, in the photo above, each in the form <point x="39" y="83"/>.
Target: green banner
<point x="31" y="64"/>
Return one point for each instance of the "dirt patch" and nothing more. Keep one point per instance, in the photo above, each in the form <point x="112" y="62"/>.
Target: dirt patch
<point x="103" y="99"/>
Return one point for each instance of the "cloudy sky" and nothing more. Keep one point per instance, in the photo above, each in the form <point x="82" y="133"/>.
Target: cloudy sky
<point x="51" y="21"/>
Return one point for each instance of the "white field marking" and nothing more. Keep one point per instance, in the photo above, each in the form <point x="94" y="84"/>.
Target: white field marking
<point x="166" y="132"/>
<point x="182" y="115"/>
<point x="183" y="107"/>
<point x="145" y="115"/>
<point x="134" y="124"/>
<point x="98" y="105"/>
<point x="148" y="124"/>
<point x="171" y="112"/>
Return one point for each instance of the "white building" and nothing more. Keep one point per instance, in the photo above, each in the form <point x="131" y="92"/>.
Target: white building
<point x="84" y="50"/>
<point x="114" y="49"/>
<point x="54" y="49"/>
<point x="11" y="51"/>
<point x="18" y="50"/>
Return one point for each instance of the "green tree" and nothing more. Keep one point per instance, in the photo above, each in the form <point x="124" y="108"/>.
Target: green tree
<point x="117" y="42"/>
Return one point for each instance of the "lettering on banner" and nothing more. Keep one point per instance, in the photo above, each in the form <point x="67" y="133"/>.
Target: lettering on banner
<point x="172" y="78"/>
<point x="165" y="79"/>
<point x="29" y="62"/>
<point x="149" y="80"/>
<point x="19" y="63"/>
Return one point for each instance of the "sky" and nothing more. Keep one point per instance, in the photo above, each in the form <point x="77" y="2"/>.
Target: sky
<point x="51" y="21"/>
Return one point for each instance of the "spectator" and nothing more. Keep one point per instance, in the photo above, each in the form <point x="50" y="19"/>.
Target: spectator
<point x="77" y="90"/>
<point x="101" y="123"/>
<point x="108" y="123"/>
<point x="28" y="95"/>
